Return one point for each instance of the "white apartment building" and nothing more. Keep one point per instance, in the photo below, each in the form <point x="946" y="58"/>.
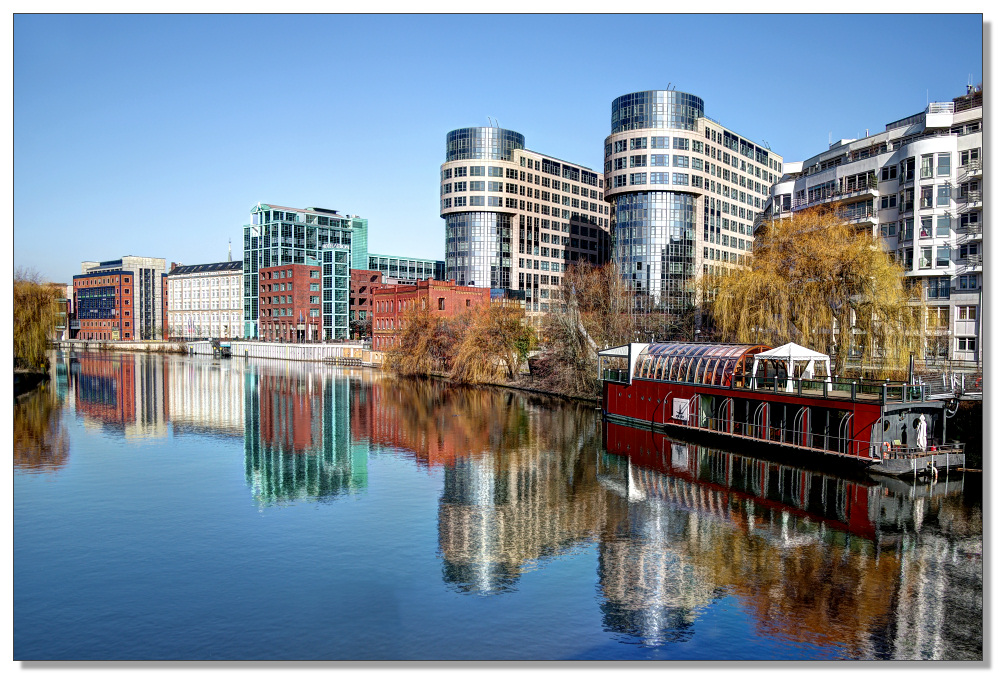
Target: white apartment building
<point x="204" y="300"/>
<point x="919" y="185"/>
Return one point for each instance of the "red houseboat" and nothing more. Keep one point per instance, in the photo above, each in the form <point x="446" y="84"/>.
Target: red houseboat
<point x="784" y="397"/>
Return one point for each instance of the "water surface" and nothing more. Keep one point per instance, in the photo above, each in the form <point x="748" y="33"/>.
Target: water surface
<point x="180" y="507"/>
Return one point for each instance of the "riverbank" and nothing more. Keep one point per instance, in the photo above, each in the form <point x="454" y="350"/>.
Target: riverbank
<point x="27" y="380"/>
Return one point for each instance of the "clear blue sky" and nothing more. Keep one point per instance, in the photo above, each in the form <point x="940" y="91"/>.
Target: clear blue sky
<point x="155" y="135"/>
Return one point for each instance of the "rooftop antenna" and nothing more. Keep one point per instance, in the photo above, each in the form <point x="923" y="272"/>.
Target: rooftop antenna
<point x="230" y="249"/>
<point x="829" y="138"/>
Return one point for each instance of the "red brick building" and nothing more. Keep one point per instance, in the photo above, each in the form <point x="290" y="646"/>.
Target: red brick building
<point x="363" y="286"/>
<point x="443" y="298"/>
<point x="290" y="303"/>
<point x="104" y="305"/>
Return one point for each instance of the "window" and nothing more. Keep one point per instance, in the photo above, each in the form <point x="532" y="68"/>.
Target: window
<point x="925" y="257"/>
<point x="926" y="224"/>
<point x="888" y="229"/>
<point x="636" y="161"/>
<point x="659" y="160"/>
<point x="477" y="185"/>
<point x="494" y="186"/>
<point x="494" y="171"/>
<point x="967" y="250"/>
<point x="968" y="157"/>
<point x="637" y="179"/>
<point x="681" y="161"/>
<point x="967" y="282"/>
<point x="888" y="173"/>
<point x="659" y="142"/>
<point x="943" y="225"/>
<point x="621" y="146"/>
<point x="680" y="179"/>
<point x="619" y="163"/>
<point x="966" y="343"/>
<point x="659" y="177"/>
<point x="682" y="143"/>
<point x="637" y="144"/>
<point x="926" y="166"/>
<point x="944" y="164"/>
<point x="943" y="256"/>
<point x="937" y="317"/>
<point x="967" y="312"/>
<point x="888" y="201"/>
<point x="620" y="180"/>
<point x="477" y="171"/>
<point x="440" y="303"/>
<point x="926" y="197"/>
<point x="944" y="195"/>
<point x="459" y="172"/>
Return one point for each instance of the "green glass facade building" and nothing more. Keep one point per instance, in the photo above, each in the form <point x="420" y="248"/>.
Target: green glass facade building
<point x="279" y="235"/>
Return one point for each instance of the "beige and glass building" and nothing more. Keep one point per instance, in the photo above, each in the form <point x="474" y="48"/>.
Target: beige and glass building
<point x="515" y="219"/>
<point x="683" y="192"/>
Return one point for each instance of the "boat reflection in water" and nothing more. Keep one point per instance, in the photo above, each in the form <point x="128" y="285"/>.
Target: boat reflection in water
<point x="872" y="566"/>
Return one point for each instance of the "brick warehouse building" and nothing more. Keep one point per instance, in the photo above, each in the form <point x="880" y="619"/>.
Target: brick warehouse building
<point x="446" y="299"/>
<point x="104" y="305"/>
<point x="363" y="286"/>
<point x="290" y="303"/>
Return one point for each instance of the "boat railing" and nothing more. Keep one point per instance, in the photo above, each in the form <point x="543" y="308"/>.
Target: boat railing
<point x="838" y="388"/>
<point x="908" y="452"/>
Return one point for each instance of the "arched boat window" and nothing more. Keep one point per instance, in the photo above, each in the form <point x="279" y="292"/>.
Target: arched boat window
<point x="660" y="361"/>
<point x="699" y="370"/>
<point x="709" y="371"/>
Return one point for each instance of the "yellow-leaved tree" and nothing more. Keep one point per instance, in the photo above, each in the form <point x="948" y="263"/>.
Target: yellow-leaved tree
<point x="825" y="284"/>
<point x="494" y="345"/>
<point x="35" y="305"/>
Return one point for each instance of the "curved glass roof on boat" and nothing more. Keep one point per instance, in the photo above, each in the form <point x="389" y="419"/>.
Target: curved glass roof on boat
<point x="697" y="363"/>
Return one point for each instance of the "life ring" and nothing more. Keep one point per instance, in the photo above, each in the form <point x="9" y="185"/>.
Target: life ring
<point x="886" y="448"/>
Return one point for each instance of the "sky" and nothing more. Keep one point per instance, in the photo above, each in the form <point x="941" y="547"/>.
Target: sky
<point x="154" y="135"/>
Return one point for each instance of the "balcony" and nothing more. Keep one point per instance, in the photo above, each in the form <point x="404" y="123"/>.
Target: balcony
<point x="972" y="170"/>
<point x="973" y="262"/>
<point x="972" y="231"/>
<point x="971" y="198"/>
<point x="843" y="196"/>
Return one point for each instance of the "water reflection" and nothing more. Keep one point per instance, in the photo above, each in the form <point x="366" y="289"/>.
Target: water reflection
<point x="871" y="566"/>
<point x="41" y="443"/>
<point x="297" y="440"/>
<point x="853" y="566"/>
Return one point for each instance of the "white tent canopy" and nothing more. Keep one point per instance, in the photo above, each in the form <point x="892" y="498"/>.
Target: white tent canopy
<point x="792" y="354"/>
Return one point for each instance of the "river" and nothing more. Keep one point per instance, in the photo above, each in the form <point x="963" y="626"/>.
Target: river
<point x="182" y="507"/>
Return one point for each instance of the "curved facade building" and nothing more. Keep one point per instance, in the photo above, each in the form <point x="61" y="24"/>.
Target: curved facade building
<point x="919" y="186"/>
<point x="515" y="218"/>
<point x="683" y="191"/>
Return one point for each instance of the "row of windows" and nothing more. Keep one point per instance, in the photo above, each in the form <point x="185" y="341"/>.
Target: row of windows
<point x="658" y="159"/>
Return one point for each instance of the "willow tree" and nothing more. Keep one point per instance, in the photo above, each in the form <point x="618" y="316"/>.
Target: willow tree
<point x="36" y="309"/>
<point x="824" y="284"/>
<point x="494" y="345"/>
<point x="425" y="343"/>
<point x="594" y="311"/>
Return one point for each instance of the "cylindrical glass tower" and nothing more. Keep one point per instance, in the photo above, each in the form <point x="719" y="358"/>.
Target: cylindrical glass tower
<point x="478" y="236"/>
<point x="654" y="205"/>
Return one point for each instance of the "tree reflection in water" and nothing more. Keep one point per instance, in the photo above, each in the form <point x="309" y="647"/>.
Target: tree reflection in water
<point x="41" y="443"/>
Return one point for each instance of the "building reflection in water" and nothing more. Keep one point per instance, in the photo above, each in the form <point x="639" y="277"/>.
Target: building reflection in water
<point x="297" y="438"/>
<point x="121" y="393"/>
<point x="831" y="561"/>
<point x="519" y="480"/>
<point x="41" y="443"/>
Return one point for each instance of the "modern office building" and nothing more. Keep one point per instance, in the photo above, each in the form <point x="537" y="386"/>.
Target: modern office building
<point x="406" y="269"/>
<point x="515" y="219"/>
<point x="105" y="308"/>
<point x="146" y="322"/>
<point x="684" y="191"/>
<point x="919" y="186"/>
<point x="336" y="280"/>
<point x="278" y="236"/>
<point x="204" y="300"/>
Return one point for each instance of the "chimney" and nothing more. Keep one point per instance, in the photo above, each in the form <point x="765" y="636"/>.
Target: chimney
<point x="172" y="266"/>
